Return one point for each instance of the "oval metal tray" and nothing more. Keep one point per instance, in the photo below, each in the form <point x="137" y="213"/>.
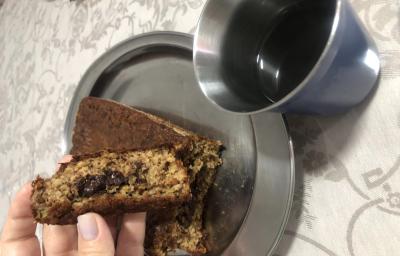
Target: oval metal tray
<point x="249" y="204"/>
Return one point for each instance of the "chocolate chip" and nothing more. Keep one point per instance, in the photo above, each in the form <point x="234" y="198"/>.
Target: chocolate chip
<point x="140" y="180"/>
<point x="91" y="185"/>
<point x="115" y="178"/>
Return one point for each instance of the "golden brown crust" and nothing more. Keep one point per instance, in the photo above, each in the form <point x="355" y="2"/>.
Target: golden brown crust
<point x="104" y="124"/>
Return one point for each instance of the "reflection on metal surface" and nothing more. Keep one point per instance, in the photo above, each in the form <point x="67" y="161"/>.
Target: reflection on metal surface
<point x="371" y="59"/>
<point x="285" y="56"/>
<point x="251" y="198"/>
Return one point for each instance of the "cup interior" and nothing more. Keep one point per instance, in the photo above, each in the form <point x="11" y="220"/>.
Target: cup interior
<point x="269" y="48"/>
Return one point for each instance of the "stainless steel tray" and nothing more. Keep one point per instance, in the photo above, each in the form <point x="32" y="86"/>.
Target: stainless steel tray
<point x="250" y="201"/>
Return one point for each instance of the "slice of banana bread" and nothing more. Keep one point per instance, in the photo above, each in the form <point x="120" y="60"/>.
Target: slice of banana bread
<point x="111" y="182"/>
<point x="183" y="228"/>
<point x="105" y="124"/>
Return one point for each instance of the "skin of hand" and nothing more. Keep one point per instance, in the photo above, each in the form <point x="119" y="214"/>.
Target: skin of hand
<point x="93" y="235"/>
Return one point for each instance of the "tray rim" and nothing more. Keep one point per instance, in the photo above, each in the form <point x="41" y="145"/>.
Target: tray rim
<point x="83" y="90"/>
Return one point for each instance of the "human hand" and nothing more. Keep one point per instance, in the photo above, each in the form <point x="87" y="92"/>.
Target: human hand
<point x="93" y="235"/>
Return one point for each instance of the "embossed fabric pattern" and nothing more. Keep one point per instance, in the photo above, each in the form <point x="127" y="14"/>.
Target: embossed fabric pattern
<point x="347" y="199"/>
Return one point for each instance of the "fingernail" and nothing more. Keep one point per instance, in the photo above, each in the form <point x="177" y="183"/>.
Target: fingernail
<point x="87" y="226"/>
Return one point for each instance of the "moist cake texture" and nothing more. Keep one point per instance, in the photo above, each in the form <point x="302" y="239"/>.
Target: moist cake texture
<point x="104" y="124"/>
<point x="109" y="182"/>
<point x="183" y="227"/>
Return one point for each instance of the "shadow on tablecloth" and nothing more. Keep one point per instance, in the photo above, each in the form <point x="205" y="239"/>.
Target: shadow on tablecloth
<point x="315" y="147"/>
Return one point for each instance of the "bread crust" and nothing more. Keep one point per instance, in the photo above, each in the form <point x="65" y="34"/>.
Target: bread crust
<point x="63" y="212"/>
<point x="105" y="124"/>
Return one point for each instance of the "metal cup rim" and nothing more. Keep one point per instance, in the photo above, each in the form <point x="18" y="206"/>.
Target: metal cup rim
<point x="297" y="89"/>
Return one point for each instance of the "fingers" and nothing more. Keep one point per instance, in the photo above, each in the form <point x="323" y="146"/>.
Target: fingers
<point x="131" y="236"/>
<point x="18" y="237"/>
<point x="94" y="236"/>
<point x="60" y="240"/>
<point x="20" y="223"/>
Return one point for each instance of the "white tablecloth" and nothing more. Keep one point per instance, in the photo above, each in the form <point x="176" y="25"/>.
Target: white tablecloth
<point x="347" y="198"/>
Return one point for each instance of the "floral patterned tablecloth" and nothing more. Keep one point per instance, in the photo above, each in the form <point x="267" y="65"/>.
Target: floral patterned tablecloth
<point x="347" y="199"/>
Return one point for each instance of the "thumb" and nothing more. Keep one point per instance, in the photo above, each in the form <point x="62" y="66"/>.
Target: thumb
<point x="94" y="236"/>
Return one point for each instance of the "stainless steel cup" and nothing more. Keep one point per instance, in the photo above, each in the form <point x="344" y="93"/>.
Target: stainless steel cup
<point x="302" y="56"/>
